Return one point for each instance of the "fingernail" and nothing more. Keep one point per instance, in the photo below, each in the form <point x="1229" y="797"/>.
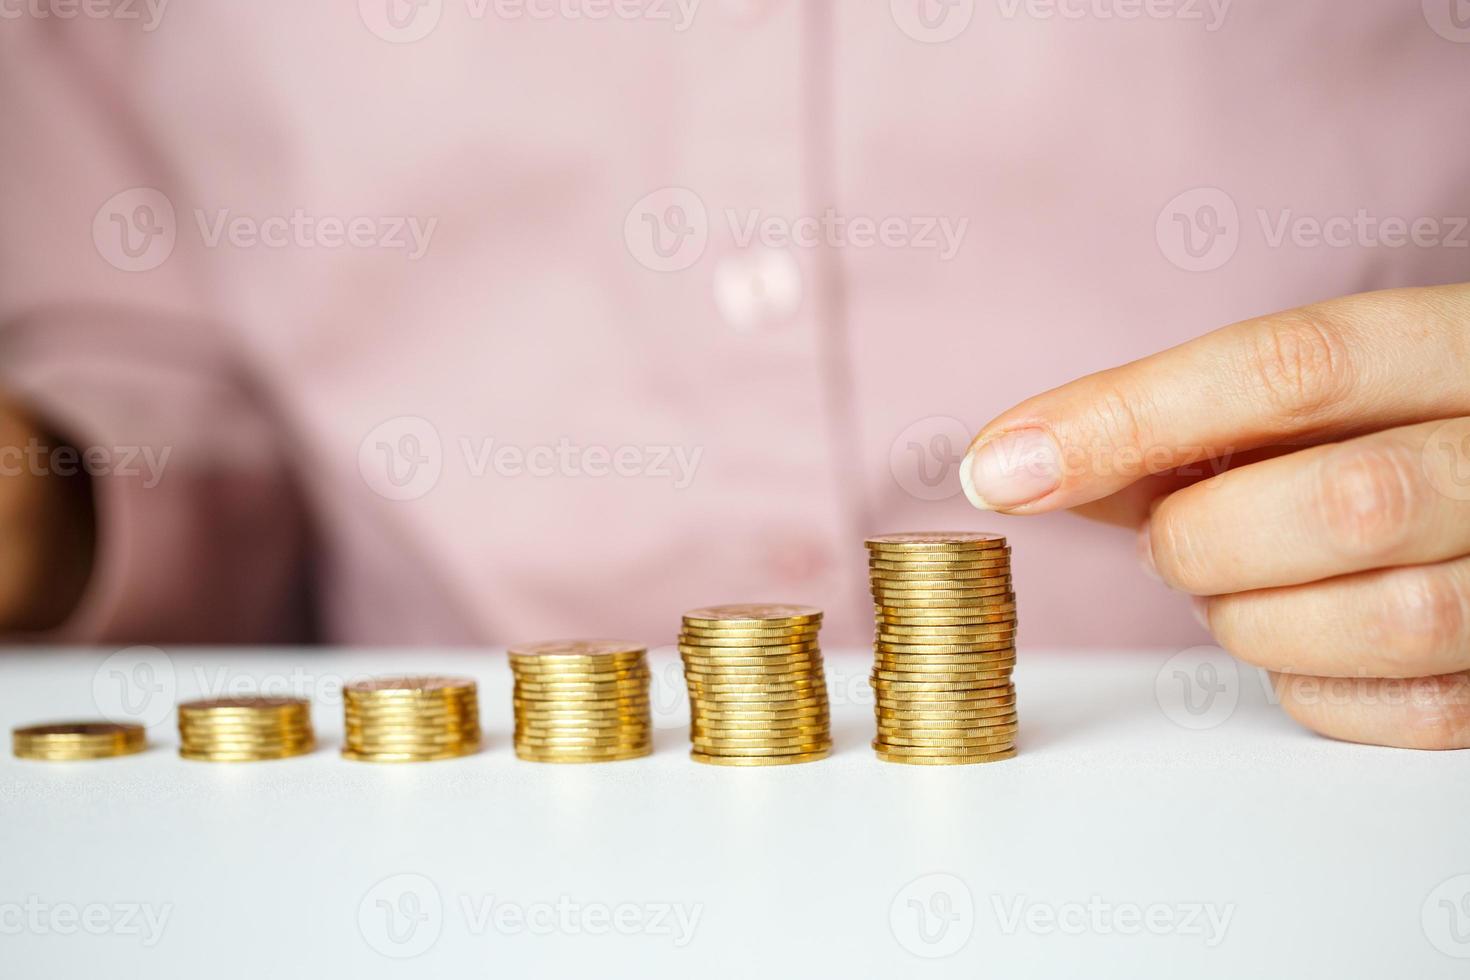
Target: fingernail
<point x="1146" y="553"/>
<point x="1200" y="606"/>
<point x="1012" y="469"/>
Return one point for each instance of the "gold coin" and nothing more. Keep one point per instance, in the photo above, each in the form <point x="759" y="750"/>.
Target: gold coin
<point x="702" y="715"/>
<point x="778" y="760"/>
<point x="581" y="649"/>
<point x="937" y="632"/>
<point x="730" y="702"/>
<point x="801" y="661"/>
<point x="933" y="726"/>
<point x="741" y="633"/>
<point x="1000" y="743"/>
<point x="910" y="698"/>
<point x="895" y="680"/>
<point x="766" y="614"/>
<point x="588" y="672"/>
<point x="775" y="650"/>
<point x="935" y="541"/>
<point x="941" y="590"/>
<point x="887" y="620"/>
<point x="946" y="760"/>
<point x="938" y="672"/>
<point x="716" y="669"/>
<point x="397" y="756"/>
<point x="900" y="654"/>
<point x="996" y="709"/>
<point x="756" y="751"/>
<point x="73" y="741"/>
<point x="999" y="574"/>
<point x="409" y="685"/>
<point x="528" y="755"/>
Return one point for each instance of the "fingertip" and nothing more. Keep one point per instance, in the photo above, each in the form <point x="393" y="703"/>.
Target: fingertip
<point x="1011" y="470"/>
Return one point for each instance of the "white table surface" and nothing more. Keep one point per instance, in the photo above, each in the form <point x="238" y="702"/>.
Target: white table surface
<point x="1130" y="838"/>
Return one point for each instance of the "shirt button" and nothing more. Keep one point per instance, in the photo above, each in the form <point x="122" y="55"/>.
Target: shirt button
<point x="757" y="288"/>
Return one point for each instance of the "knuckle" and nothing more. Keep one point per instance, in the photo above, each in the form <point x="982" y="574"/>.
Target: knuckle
<point x="1439" y="712"/>
<point x="1120" y="441"/>
<point x="1425" y="617"/>
<point x="1300" y="362"/>
<point x="1370" y="499"/>
<point x="1180" y="556"/>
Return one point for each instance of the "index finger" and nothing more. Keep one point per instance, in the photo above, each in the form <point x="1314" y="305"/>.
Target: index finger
<point x="1320" y="372"/>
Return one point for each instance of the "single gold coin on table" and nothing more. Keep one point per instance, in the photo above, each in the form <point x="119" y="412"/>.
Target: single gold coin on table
<point x="75" y="741"/>
<point x="581" y="701"/>
<point x="757" y="690"/>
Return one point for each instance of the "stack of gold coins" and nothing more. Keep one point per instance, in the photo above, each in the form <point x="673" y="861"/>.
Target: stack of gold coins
<point x="581" y="701"/>
<point x="410" y="719"/>
<point x="757" y="691"/>
<point x="68" y="741"/>
<point x="944" y="647"/>
<point x="247" y="729"/>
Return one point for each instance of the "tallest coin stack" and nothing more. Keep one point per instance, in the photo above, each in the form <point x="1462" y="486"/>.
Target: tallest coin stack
<point x="944" y="647"/>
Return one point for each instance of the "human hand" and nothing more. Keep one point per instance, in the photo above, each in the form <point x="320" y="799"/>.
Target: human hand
<point x="1307" y="476"/>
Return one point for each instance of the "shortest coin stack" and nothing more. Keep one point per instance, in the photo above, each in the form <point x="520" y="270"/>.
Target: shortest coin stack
<point x="69" y="741"/>
<point x="247" y="729"/>
<point x="410" y="719"/>
<point x="581" y="701"/>
<point x="757" y="691"/>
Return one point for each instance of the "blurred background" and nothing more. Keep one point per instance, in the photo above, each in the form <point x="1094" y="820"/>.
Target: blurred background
<point x="477" y="321"/>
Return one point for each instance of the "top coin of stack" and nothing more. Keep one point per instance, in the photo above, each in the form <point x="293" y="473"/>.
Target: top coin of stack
<point x="944" y="647"/>
<point x="410" y="719"/>
<point x="581" y="701"/>
<point x="757" y="691"/>
<point x="248" y="729"/>
<point x="70" y="741"/>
